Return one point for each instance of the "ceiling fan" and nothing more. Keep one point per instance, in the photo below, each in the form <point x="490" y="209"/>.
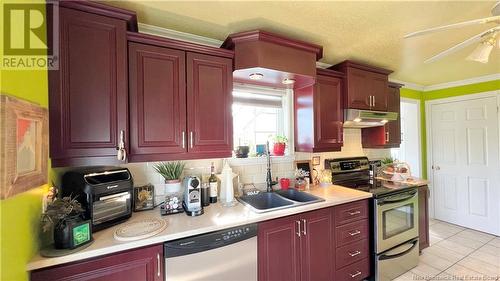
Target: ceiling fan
<point x="488" y="39"/>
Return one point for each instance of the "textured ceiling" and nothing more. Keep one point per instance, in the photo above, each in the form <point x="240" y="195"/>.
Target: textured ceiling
<point x="370" y="32"/>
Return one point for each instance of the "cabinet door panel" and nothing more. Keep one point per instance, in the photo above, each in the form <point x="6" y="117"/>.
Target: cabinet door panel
<point x="88" y="94"/>
<point x="328" y="112"/>
<point x="209" y="100"/>
<point x="358" y="89"/>
<point x="378" y="89"/>
<point x="145" y="264"/>
<point x="317" y="246"/>
<point x="279" y="250"/>
<point x="157" y="102"/>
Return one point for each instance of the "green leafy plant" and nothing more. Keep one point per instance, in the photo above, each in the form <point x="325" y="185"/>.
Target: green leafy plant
<point x="170" y="170"/>
<point x="387" y="160"/>
<point x="59" y="210"/>
<point x="280" y="139"/>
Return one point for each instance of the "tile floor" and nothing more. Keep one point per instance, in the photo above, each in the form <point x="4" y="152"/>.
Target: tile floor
<point x="457" y="253"/>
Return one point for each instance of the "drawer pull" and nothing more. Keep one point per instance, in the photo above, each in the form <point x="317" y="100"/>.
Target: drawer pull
<point x="158" y="269"/>
<point x="298" y="228"/>
<point x="355" y="274"/>
<point x="354" y="213"/>
<point x="354" y="254"/>
<point x="354" y="233"/>
<point x="305" y="225"/>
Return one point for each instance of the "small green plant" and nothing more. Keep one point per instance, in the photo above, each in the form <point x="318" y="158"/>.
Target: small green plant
<point x="387" y="160"/>
<point x="280" y="139"/>
<point x="170" y="170"/>
<point x="59" y="210"/>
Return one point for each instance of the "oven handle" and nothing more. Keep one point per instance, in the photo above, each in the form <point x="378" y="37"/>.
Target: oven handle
<point x="398" y="200"/>
<point x="388" y="257"/>
<point x="126" y="195"/>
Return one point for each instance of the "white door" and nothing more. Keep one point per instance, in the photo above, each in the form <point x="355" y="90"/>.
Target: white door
<point x="465" y="155"/>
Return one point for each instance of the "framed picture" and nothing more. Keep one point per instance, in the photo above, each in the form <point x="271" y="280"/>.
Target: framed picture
<point x="306" y="166"/>
<point x="23" y="146"/>
<point x="316" y="160"/>
<point x="144" y="197"/>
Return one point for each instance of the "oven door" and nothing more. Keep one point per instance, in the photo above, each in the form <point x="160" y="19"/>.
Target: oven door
<point x="396" y="219"/>
<point x="110" y="207"/>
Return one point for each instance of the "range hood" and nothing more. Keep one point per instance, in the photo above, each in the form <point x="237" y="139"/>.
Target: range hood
<point x="356" y="118"/>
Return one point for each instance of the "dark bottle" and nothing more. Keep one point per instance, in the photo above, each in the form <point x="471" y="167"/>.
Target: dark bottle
<point x="212" y="181"/>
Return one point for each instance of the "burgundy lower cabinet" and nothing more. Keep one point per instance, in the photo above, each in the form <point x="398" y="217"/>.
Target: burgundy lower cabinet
<point x="423" y="217"/>
<point x="145" y="264"/>
<point x="314" y="246"/>
<point x="352" y="241"/>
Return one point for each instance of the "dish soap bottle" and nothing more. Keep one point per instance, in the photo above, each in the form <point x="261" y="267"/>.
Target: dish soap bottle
<point x="227" y="191"/>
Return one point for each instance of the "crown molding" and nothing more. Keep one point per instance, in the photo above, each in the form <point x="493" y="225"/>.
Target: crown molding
<point x="409" y="85"/>
<point x="464" y="82"/>
<point x="178" y="35"/>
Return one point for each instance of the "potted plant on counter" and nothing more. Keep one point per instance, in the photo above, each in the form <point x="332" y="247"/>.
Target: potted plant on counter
<point x="171" y="172"/>
<point x="65" y="216"/>
<point x="279" y="145"/>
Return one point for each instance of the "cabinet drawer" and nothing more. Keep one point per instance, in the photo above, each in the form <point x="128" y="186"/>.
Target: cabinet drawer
<point x="352" y="253"/>
<point x="354" y="272"/>
<point x="351" y="232"/>
<point x="350" y="212"/>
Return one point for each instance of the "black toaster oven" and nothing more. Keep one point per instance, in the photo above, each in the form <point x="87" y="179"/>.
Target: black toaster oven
<point x="106" y="193"/>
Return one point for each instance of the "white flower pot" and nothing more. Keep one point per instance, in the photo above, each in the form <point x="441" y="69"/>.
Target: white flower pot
<point x="172" y="186"/>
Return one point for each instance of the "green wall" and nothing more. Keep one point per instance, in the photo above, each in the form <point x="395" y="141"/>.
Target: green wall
<point x="441" y="94"/>
<point x="19" y="215"/>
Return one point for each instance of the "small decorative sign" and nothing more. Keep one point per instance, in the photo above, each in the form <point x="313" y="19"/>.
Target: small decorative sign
<point x="144" y="197"/>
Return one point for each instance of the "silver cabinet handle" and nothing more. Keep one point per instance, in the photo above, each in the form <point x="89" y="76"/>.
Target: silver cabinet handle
<point x="387" y="137"/>
<point x="354" y="254"/>
<point x="354" y="213"/>
<point x="298" y="228"/>
<point x="354" y="233"/>
<point x="373" y="101"/>
<point x="305" y="227"/>
<point x="370" y="101"/>
<point x="355" y="274"/>
<point x="121" y="153"/>
<point x="158" y="271"/>
<point x="183" y="139"/>
<point x="191" y="139"/>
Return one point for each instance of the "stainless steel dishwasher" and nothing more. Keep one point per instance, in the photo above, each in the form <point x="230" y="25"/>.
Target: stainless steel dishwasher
<point x="229" y="254"/>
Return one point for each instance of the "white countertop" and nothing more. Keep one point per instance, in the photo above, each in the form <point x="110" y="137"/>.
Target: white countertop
<point x="216" y="217"/>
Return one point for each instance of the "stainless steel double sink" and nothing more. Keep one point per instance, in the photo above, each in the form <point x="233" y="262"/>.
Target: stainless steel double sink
<point x="277" y="200"/>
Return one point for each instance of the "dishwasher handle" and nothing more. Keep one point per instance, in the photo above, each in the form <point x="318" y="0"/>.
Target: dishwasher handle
<point x="208" y="241"/>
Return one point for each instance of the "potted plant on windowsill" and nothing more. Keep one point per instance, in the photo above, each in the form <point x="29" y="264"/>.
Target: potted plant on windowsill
<point x="65" y="217"/>
<point x="171" y="172"/>
<point x="279" y="145"/>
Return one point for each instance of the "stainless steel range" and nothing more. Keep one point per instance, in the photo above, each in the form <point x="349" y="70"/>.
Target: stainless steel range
<point x="394" y="214"/>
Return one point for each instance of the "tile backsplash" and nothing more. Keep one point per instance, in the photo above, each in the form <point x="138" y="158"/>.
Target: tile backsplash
<point x="254" y="170"/>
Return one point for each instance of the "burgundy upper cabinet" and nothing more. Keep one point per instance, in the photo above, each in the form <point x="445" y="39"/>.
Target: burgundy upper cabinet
<point x="319" y="114"/>
<point x="366" y="86"/>
<point x="388" y="136"/>
<point x="88" y="94"/>
<point x="209" y="96"/>
<point x="145" y="264"/>
<point x="157" y="102"/>
<point x="180" y="99"/>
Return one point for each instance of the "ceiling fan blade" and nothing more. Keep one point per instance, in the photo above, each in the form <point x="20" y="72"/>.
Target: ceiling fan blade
<point x="459" y="46"/>
<point x="454" y="25"/>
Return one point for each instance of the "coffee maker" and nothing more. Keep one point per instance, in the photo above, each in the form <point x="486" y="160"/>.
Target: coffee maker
<point x="192" y="196"/>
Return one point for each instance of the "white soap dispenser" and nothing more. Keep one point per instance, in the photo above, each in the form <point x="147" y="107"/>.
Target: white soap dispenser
<point x="227" y="191"/>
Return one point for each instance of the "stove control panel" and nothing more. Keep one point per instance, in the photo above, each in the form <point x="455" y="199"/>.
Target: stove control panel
<point x="344" y="165"/>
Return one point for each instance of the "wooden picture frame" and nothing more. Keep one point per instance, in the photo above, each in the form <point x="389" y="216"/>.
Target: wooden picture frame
<point x="306" y="166"/>
<point x="23" y="146"/>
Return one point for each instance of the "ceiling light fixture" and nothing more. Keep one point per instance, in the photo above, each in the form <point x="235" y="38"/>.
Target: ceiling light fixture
<point x="288" y="81"/>
<point x="482" y="52"/>
<point x="256" y="76"/>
